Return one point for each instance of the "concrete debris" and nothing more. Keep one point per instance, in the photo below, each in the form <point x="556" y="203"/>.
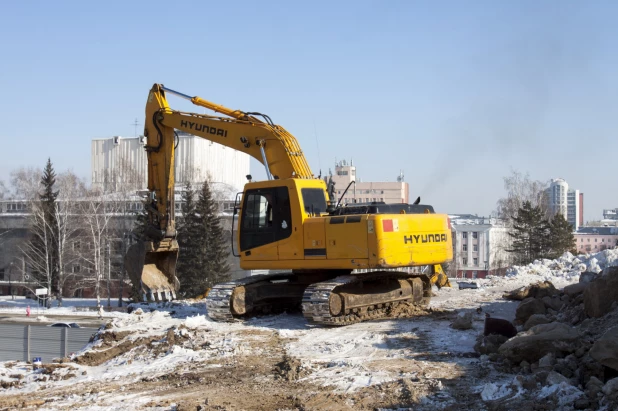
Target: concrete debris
<point x="537" y="290"/>
<point x="536" y="319"/>
<point x="605" y="349"/>
<point x="527" y="308"/>
<point x="463" y="321"/>
<point x="601" y="293"/>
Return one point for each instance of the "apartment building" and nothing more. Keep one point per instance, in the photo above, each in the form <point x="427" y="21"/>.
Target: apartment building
<point x="595" y="239"/>
<point x="479" y="246"/>
<point x="566" y="201"/>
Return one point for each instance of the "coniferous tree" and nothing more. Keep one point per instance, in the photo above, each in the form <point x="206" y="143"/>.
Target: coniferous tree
<point x="561" y="236"/>
<point x="188" y="269"/>
<point x="48" y="206"/>
<point x="213" y="248"/>
<point x="531" y="234"/>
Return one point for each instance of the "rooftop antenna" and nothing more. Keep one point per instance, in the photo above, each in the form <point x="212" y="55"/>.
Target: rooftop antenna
<point x="135" y="124"/>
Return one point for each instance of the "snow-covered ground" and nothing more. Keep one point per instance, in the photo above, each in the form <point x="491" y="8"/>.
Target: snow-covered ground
<point x="422" y="356"/>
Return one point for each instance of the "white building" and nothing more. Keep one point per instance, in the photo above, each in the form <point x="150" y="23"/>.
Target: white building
<point x="197" y="160"/>
<point x="479" y="246"/>
<point x="610" y="214"/>
<point x="363" y="192"/>
<point x="566" y="201"/>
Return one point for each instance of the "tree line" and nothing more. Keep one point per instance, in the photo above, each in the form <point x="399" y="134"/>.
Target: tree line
<point x="75" y="232"/>
<point x="535" y="232"/>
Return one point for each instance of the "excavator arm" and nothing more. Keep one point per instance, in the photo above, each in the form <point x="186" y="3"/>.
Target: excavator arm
<point x="270" y="144"/>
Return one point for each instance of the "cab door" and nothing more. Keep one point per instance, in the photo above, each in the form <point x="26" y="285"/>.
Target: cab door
<point x="265" y="220"/>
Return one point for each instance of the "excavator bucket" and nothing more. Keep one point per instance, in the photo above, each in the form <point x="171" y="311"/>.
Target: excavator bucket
<point x="152" y="270"/>
<point x="439" y="278"/>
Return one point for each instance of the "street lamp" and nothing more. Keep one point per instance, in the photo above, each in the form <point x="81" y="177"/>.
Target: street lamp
<point x="10" y="284"/>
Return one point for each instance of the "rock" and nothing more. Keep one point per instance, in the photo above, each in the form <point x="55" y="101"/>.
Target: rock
<point x="536" y="319"/>
<point x="537" y="290"/>
<point x="593" y="387"/>
<point x="463" y="321"/>
<point x="540" y="340"/>
<point x="547" y="361"/>
<point x="601" y="293"/>
<point x="489" y="344"/>
<point x="588" y="367"/>
<point x="524" y="366"/>
<point x="610" y="389"/>
<point x="563" y="369"/>
<point x="605" y="349"/>
<point x="574" y="289"/>
<point x="527" y="308"/>
<point x="587" y="277"/>
<point x="552" y="303"/>
<point x="554" y="378"/>
<point x="581" y="403"/>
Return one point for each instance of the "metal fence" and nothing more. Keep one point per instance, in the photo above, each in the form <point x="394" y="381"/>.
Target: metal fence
<point x="24" y="342"/>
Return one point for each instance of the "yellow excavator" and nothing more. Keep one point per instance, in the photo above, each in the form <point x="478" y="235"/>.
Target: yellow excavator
<point x="345" y="262"/>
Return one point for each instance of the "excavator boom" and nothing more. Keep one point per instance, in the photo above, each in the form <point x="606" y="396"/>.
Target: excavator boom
<point x="270" y="144"/>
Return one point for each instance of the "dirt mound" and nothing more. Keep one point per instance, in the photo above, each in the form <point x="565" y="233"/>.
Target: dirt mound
<point x="94" y="358"/>
<point x="290" y="369"/>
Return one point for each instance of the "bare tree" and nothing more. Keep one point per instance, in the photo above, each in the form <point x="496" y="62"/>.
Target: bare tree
<point x="71" y="190"/>
<point x="521" y="188"/>
<point x="96" y="212"/>
<point x="3" y="190"/>
<point x="26" y="183"/>
<point x="38" y="249"/>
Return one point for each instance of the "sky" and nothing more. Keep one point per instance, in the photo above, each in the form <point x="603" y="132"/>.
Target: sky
<point x="456" y="94"/>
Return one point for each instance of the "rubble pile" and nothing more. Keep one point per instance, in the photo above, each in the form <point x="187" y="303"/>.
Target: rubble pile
<point x="565" y="353"/>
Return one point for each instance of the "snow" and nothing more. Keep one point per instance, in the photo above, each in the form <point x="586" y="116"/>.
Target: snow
<point x="344" y="359"/>
<point x="564" y="392"/>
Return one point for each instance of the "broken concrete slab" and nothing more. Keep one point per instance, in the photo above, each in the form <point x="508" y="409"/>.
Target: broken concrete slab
<point x="531" y="345"/>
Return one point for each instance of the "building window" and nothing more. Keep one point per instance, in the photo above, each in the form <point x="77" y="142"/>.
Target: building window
<point x="464" y="235"/>
<point x="475" y="247"/>
<point x="602" y="240"/>
<point x="588" y="240"/>
<point x="476" y="261"/>
<point x="464" y="247"/>
<point x="474" y="274"/>
<point x="76" y="268"/>
<point x="475" y="234"/>
<point x="595" y="240"/>
<point x="465" y="261"/>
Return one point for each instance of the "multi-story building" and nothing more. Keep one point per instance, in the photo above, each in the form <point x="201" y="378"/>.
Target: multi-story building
<point x="565" y="201"/>
<point x="610" y="214"/>
<point x="595" y="239"/>
<point x="364" y="192"/>
<point x="117" y="159"/>
<point x="480" y="246"/>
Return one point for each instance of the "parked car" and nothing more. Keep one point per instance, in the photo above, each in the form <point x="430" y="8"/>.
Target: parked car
<point x="471" y="284"/>
<point x="65" y="325"/>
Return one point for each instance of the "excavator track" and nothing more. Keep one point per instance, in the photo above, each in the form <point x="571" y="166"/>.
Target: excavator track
<point x="363" y="297"/>
<point x="219" y="299"/>
<point x="318" y="299"/>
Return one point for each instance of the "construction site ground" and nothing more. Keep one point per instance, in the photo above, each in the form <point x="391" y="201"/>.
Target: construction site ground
<point x="172" y="357"/>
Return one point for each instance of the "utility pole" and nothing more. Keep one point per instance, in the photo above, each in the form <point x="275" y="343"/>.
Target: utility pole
<point x="135" y="124"/>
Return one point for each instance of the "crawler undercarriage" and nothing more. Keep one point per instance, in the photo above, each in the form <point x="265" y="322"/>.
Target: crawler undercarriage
<point x="325" y="297"/>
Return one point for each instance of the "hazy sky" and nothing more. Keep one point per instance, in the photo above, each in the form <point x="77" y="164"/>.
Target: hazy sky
<point x="454" y="93"/>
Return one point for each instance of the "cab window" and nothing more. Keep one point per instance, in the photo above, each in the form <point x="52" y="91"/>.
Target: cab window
<point x="265" y="218"/>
